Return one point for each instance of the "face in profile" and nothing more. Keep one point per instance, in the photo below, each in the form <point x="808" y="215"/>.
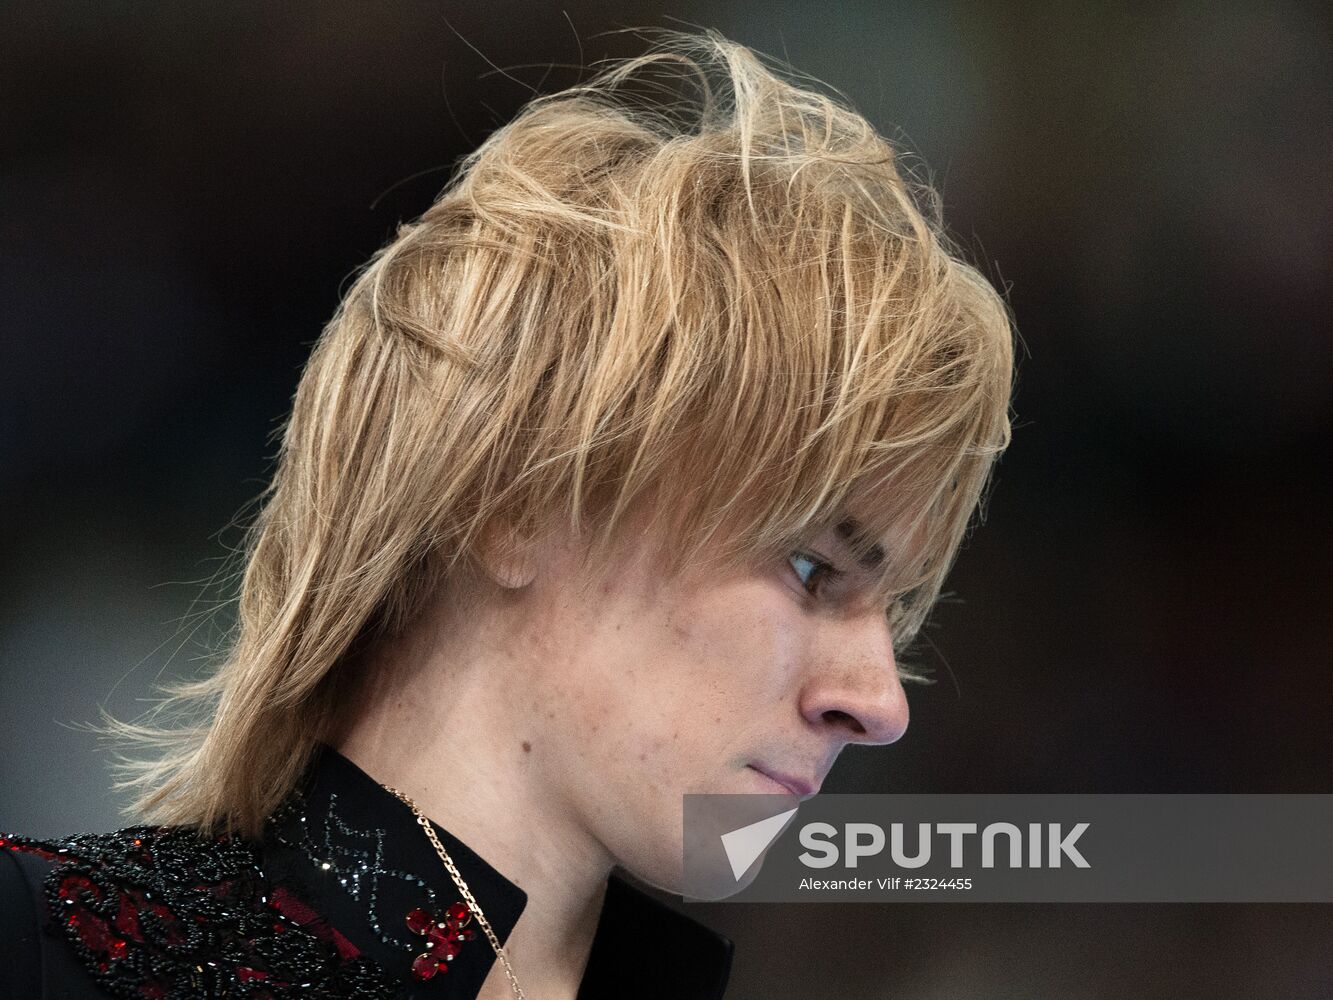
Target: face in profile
<point x="642" y="687"/>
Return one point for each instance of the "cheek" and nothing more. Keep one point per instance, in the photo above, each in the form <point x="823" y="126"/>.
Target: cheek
<point x="670" y="692"/>
<point x="744" y="645"/>
<point x="595" y="688"/>
<point x="723" y="667"/>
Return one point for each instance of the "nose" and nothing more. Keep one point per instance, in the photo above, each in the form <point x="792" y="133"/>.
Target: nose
<point x="854" y="688"/>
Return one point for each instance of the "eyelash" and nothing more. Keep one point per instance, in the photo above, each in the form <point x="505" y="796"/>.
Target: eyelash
<point x="823" y="570"/>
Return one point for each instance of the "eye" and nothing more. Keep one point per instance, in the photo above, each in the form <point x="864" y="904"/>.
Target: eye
<point x="811" y="570"/>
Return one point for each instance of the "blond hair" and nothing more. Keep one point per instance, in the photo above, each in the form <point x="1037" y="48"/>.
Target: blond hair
<point x="730" y="298"/>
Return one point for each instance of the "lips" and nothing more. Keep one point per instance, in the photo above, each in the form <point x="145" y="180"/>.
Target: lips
<point x="799" y="787"/>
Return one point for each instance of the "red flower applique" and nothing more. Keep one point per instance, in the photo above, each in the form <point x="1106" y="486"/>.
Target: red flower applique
<point x="444" y="934"/>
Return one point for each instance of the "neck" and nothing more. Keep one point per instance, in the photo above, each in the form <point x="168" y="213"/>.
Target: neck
<point x="445" y="735"/>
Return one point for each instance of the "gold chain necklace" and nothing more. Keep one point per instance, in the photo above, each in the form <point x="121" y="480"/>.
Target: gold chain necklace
<point x="471" y="901"/>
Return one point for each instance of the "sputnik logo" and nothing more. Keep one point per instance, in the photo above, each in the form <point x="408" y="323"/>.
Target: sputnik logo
<point x="746" y="844"/>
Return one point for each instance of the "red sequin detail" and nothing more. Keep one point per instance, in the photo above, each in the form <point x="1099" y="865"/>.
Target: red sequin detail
<point x="442" y="942"/>
<point x="424" y="967"/>
<point x="72" y="885"/>
<point x="127" y="919"/>
<point x="444" y="936"/>
<point x="418" y="921"/>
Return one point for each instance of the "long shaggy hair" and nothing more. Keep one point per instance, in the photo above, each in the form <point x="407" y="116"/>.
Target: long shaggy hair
<point x="690" y="279"/>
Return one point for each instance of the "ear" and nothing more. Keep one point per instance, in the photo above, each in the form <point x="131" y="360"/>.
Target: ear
<point x="506" y="557"/>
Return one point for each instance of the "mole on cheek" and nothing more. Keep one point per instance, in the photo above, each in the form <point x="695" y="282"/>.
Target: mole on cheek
<point x="527" y="747"/>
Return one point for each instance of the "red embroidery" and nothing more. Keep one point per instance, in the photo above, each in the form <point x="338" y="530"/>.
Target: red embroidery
<point x="159" y="912"/>
<point x="304" y="917"/>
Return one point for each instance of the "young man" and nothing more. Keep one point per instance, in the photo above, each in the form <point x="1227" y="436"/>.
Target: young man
<point x="625" y="471"/>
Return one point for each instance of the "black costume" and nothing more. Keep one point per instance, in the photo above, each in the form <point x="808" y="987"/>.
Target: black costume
<point x="343" y="896"/>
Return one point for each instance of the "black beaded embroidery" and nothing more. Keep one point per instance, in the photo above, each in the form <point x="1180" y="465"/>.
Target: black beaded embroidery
<point x="158" y="913"/>
<point x="355" y="858"/>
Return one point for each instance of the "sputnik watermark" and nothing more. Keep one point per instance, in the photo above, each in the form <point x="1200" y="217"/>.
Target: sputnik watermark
<point x="1010" y="848"/>
<point x="866" y="840"/>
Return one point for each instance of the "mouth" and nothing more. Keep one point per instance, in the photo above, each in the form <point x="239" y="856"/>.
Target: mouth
<point x="785" y="784"/>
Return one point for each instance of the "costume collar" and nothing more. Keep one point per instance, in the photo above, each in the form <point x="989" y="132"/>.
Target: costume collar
<point x="370" y="869"/>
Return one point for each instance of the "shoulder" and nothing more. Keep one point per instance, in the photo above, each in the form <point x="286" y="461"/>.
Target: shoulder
<point x="159" y="911"/>
<point x="20" y="881"/>
<point x="100" y="913"/>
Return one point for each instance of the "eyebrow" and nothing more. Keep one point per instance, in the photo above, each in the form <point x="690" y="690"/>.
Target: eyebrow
<point x="850" y="528"/>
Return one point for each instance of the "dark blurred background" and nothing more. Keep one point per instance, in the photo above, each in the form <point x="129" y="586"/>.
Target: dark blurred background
<point x="184" y="187"/>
